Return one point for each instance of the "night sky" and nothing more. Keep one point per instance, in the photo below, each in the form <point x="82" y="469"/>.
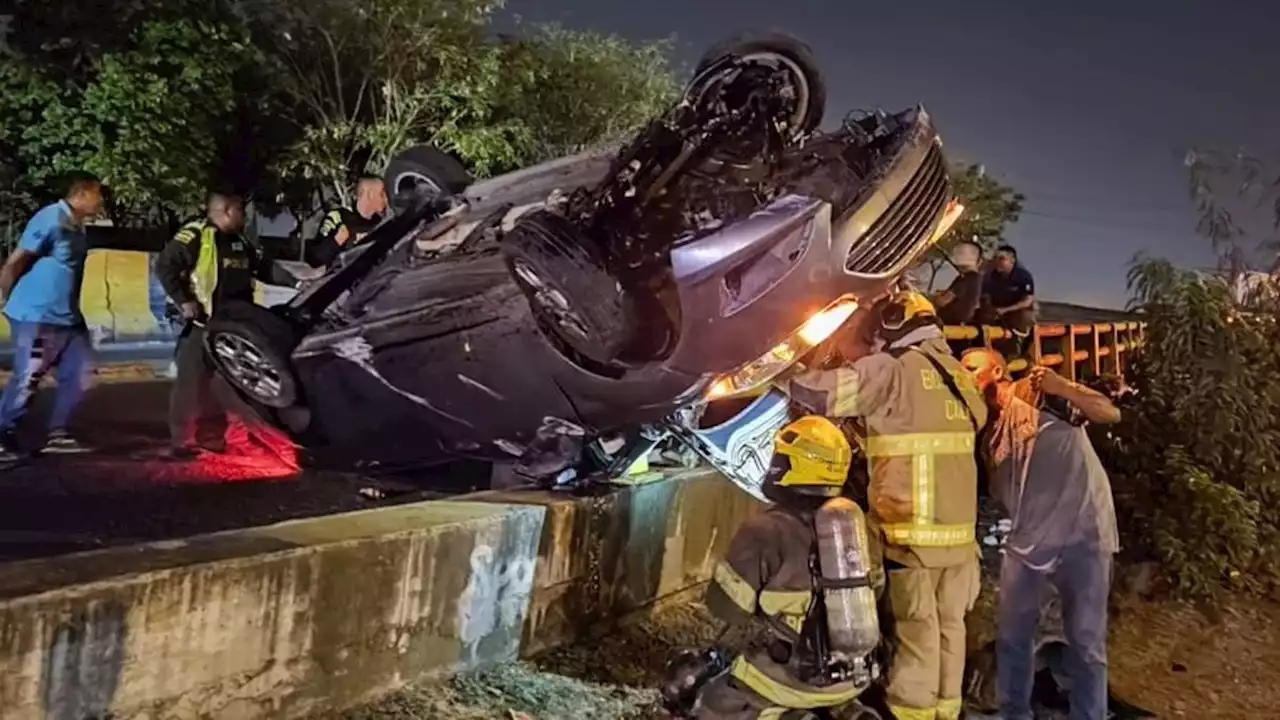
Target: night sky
<point x="1087" y="107"/>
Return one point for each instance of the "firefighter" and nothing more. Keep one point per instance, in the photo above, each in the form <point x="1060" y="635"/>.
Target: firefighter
<point x="921" y="411"/>
<point x="792" y="659"/>
<point x="343" y="228"/>
<point x="207" y="263"/>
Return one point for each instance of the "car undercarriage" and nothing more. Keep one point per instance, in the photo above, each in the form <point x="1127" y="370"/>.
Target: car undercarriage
<point x="565" y="318"/>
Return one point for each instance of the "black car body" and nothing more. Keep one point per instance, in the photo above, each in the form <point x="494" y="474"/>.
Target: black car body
<point x="430" y="342"/>
<point x="432" y="352"/>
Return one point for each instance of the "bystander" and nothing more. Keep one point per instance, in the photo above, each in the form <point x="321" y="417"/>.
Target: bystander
<point x="40" y="292"/>
<point x="1045" y="472"/>
<point x="958" y="304"/>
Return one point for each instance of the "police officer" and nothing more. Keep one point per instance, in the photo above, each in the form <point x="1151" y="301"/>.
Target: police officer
<point x="207" y="263"/>
<point x="343" y="228"/>
<point x="766" y="586"/>
<point x="921" y="412"/>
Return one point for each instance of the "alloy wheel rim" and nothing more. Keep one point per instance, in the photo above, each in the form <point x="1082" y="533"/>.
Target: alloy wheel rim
<point x="247" y="366"/>
<point x="551" y="301"/>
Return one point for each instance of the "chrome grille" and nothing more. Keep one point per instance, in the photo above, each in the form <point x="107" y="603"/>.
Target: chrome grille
<point x="905" y="223"/>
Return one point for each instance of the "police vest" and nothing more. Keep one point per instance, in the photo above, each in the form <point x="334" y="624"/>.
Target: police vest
<point x="219" y="273"/>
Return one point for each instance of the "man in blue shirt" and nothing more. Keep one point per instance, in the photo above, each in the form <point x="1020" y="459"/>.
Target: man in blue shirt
<point x="40" y="294"/>
<point x="1010" y="291"/>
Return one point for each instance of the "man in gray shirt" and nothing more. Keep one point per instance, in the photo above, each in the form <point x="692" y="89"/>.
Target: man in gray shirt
<point x="1046" y="474"/>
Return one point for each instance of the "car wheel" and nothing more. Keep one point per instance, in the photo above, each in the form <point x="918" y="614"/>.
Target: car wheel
<point x="784" y="52"/>
<point x="568" y="289"/>
<point x="251" y="346"/>
<point x="423" y="169"/>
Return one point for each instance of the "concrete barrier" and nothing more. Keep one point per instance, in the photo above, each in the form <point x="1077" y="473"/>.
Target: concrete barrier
<point x="310" y="616"/>
<point x="604" y="557"/>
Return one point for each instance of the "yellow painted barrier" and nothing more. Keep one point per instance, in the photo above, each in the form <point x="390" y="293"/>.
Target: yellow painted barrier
<point x="1074" y="349"/>
<point x="115" y="297"/>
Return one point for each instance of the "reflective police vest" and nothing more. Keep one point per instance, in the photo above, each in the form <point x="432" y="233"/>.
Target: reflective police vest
<point x="211" y="269"/>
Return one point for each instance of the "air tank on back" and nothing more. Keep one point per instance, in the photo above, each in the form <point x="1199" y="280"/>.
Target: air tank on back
<point x="844" y="559"/>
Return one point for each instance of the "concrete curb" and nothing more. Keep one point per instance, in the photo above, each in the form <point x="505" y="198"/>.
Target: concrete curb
<point x="111" y="374"/>
<point x="311" y="616"/>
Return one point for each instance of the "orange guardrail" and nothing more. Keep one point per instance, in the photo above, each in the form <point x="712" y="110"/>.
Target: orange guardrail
<point x="1071" y="349"/>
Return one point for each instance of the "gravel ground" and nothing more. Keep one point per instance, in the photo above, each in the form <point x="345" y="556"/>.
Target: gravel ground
<point x="614" y="676"/>
<point x="123" y="493"/>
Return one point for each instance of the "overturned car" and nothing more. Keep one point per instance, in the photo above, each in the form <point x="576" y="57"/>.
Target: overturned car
<point x="564" y="318"/>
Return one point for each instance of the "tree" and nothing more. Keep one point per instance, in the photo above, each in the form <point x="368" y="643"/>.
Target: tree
<point x="371" y="78"/>
<point x="147" y="119"/>
<point x="577" y="89"/>
<point x="1243" y="226"/>
<point x="367" y="74"/>
<point x="990" y="207"/>
<point x="1195" y="460"/>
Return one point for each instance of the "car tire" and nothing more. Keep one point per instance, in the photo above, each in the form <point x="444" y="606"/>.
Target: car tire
<point x="567" y="287"/>
<point x="423" y="165"/>
<point x="791" y="50"/>
<point x="251" y="346"/>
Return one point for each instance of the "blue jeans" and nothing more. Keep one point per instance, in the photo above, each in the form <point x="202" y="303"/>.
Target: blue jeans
<point x="1083" y="582"/>
<point x="38" y="348"/>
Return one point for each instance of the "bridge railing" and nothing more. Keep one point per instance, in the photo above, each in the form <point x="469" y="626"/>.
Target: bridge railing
<point x="1075" y="350"/>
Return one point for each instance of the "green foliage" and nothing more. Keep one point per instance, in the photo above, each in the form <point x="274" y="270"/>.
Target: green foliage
<point x="24" y="94"/>
<point x="147" y="120"/>
<point x="1195" y="462"/>
<point x="990" y="207"/>
<point x="1242" y="226"/>
<point x="400" y="72"/>
<point x="574" y="90"/>
<point x="165" y="97"/>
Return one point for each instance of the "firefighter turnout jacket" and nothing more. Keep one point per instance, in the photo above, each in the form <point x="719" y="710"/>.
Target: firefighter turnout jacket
<point x="920" y="440"/>
<point x="327" y="247"/>
<point x="766" y="578"/>
<point x="205" y="265"/>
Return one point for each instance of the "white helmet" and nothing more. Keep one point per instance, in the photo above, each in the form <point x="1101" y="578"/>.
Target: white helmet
<point x="966" y="255"/>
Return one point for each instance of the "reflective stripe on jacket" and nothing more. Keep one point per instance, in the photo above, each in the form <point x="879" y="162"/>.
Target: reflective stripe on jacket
<point x="204" y="276"/>
<point x="202" y="265"/>
<point x="920" y="441"/>
<point x="766" y="575"/>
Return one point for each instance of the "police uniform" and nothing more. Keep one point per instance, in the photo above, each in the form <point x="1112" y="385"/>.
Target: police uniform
<point x="920" y="437"/>
<point x="326" y="248"/>
<point x="766" y="582"/>
<point x="202" y="264"/>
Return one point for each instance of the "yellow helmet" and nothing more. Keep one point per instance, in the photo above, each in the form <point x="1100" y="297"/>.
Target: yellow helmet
<point x="905" y="311"/>
<point x="812" y="456"/>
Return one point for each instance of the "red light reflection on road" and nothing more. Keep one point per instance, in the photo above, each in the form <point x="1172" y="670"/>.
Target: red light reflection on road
<point x="211" y="469"/>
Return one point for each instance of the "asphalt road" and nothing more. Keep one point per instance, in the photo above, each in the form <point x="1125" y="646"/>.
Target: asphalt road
<point x="126" y="492"/>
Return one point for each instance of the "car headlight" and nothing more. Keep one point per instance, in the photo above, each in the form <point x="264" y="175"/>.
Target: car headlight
<point x="759" y="372"/>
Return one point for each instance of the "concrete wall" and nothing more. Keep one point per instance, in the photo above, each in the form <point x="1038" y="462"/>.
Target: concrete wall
<point x="304" y="617"/>
<point x="604" y="557"/>
<point x="280" y="621"/>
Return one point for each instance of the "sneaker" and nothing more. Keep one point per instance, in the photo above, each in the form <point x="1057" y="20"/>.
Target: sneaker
<point x="60" y="442"/>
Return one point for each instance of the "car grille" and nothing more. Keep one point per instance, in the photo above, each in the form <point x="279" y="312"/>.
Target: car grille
<point x="904" y="224"/>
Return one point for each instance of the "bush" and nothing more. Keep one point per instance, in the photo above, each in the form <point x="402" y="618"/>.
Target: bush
<point x="1195" y="462"/>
